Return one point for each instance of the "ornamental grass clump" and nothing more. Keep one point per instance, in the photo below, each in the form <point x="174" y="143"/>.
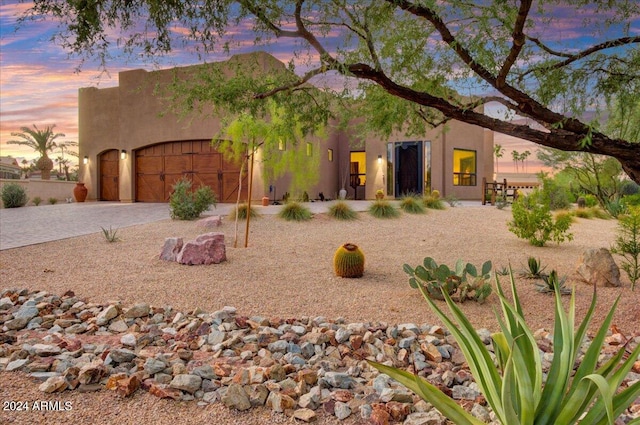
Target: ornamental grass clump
<point x="348" y="261"/>
<point x="582" y="392"/>
<point x="383" y="209"/>
<point x="342" y="211"/>
<point x="241" y="212"/>
<point x="412" y="205"/>
<point x="295" y="211"/>
<point x="433" y="203"/>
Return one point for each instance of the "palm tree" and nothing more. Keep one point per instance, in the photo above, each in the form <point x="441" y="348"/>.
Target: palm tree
<point x="516" y="157"/>
<point x="41" y="141"/>
<point x="498" y="151"/>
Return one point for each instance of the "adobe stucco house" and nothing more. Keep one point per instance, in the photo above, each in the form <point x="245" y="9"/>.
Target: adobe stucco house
<point x="130" y="153"/>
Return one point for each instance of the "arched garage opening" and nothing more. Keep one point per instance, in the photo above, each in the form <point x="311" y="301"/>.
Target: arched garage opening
<point x="158" y="167"/>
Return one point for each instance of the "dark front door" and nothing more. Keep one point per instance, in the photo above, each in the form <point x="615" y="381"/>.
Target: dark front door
<point x="409" y="168"/>
<point x="109" y="173"/>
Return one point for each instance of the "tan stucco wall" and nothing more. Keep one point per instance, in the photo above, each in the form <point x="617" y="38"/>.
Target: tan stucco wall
<point x="45" y="189"/>
<point x="129" y="117"/>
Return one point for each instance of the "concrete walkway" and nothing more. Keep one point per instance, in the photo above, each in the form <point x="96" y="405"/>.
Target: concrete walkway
<point x="46" y="223"/>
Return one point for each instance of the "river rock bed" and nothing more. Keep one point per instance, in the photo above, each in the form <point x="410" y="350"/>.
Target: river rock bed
<point x="292" y="366"/>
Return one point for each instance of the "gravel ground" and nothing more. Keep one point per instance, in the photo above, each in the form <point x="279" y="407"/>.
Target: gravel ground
<point x="286" y="272"/>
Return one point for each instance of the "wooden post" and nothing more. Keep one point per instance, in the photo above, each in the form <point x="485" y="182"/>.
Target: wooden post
<point x="246" y="233"/>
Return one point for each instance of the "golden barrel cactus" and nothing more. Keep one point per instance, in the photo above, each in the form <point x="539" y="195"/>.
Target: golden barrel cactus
<point x="348" y="261"/>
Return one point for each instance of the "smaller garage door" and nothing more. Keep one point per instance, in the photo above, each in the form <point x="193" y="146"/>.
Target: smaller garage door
<point x="158" y="167"/>
<point x="109" y="176"/>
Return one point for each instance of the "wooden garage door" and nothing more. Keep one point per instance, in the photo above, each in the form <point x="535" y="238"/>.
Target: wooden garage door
<point x="109" y="173"/>
<point x="158" y="167"/>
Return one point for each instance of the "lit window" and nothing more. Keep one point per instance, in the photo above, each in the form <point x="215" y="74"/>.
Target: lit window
<point x="464" y="167"/>
<point x="330" y="155"/>
<point x="358" y="168"/>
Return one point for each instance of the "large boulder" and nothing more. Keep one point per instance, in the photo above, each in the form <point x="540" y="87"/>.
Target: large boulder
<point x="596" y="266"/>
<point x="171" y="249"/>
<point x="208" y="248"/>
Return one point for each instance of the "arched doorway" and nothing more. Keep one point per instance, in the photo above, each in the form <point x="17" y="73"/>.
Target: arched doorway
<point x="109" y="175"/>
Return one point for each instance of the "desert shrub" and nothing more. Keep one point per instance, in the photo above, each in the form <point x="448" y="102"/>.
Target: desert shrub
<point x="433" y="203"/>
<point x="36" y="201"/>
<point x="342" y="211"/>
<point x="412" y="205"/>
<point x="295" y="211"/>
<point x="13" y="196"/>
<point x="532" y="220"/>
<point x="557" y="195"/>
<point x="463" y="280"/>
<point x="629" y="187"/>
<point x="631" y="200"/>
<point x="582" y="203"/>
<point x="241" y="212"/>
<point x="590" y="200"/>
<point x="627" y="244"/>
<point x="383" y="209"/>
<point x="510" y="374"/>
<point x="53" y="201"/>
<point x="186" y="204"/>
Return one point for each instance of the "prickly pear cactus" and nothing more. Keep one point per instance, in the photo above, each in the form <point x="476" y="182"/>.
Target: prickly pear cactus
<point x="348" y="261"/>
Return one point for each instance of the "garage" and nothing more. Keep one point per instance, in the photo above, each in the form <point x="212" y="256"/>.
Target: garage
<point x="158" y="167"/>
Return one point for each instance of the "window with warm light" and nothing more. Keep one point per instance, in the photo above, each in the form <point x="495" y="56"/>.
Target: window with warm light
<point x="330" y="155"/>
<point x="358" y="168"/>
<point x="464" y="167"/>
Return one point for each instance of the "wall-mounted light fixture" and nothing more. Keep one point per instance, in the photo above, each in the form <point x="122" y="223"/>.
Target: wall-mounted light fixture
<point x="123" y="154"/>
<point x="85" y="160"/>
<point x="379" y="159"/>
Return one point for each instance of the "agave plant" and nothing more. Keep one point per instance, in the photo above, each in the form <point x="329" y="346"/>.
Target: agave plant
<point x="551" y="282"/>
<point x="535" y="269"/>
<point x="514" y="386"/>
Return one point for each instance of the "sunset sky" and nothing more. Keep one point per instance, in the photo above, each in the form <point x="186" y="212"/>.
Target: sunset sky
<point x="39" y="83"/>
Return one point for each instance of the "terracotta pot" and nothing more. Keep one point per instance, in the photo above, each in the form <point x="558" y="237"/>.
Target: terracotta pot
<point x="265" y="201"/>
<point x="80" y="192"/>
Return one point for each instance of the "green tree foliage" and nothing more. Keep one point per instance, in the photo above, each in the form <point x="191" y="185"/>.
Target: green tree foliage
<point x="41" y="141"/>
<point x="596" y="175"/>
<point x="411" y="64"/>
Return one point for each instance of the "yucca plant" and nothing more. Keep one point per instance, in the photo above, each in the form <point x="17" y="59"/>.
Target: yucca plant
<point x="383" y="209"/>
<point x="514" y="387"/>
<point x="412" y="205"/>
<point x="295" y="211"/>
<point x="342" y="211"/>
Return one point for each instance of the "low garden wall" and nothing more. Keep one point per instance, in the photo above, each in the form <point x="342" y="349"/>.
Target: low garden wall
<point x="44" y="189"/>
